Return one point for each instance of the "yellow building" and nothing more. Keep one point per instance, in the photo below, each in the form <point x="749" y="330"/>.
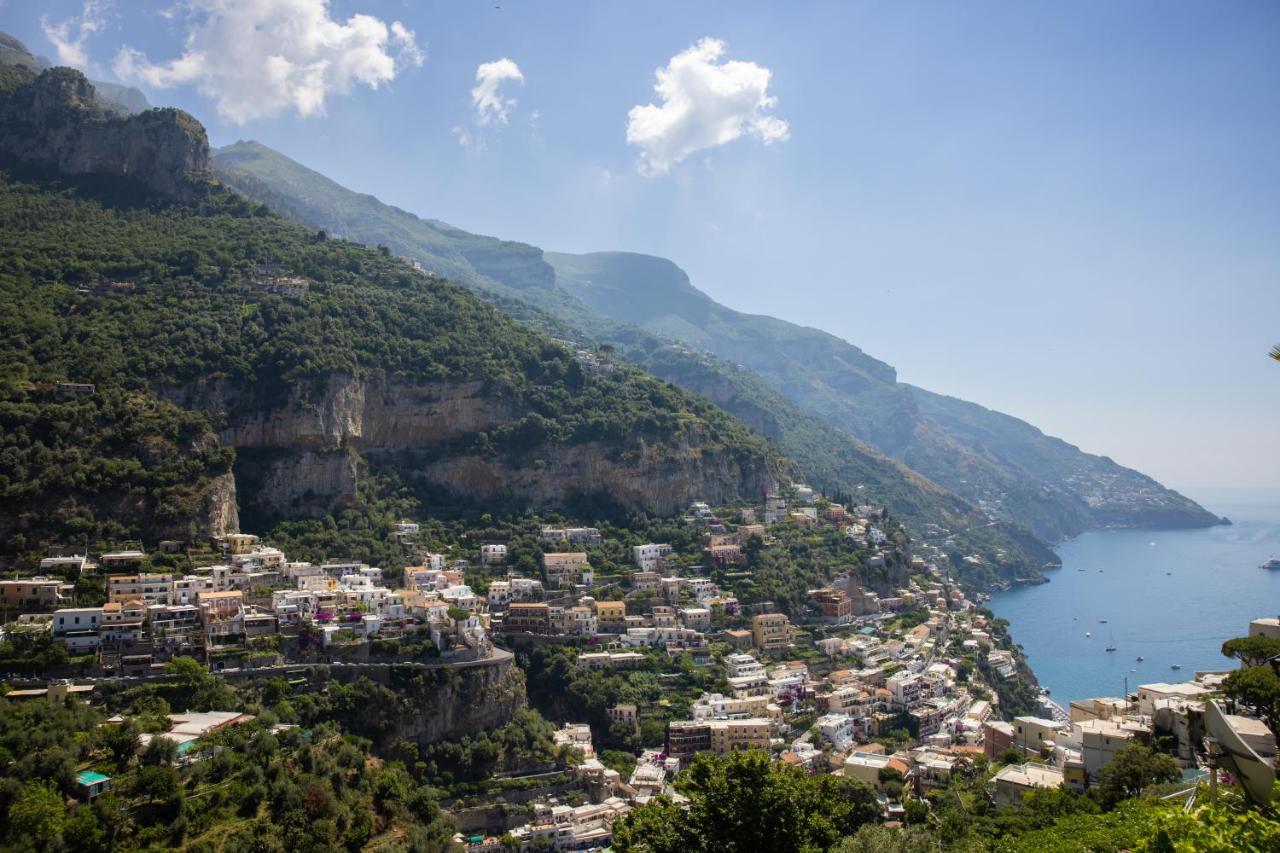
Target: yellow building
<point x="771" y="631"/>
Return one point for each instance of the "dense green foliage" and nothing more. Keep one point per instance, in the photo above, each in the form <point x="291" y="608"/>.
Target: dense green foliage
<point x="116" y="466"/>
<point x="745" y="803"/>
<point x="101" y="283"/>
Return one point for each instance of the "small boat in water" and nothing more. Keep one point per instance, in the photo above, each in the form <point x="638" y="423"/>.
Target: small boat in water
<point x="1102" y="621"/>
<point x="1087" y="634"/>
<point x="1176" y="666"/>
<point x="1273" y="564"/>
<point x="1111" y="648"/>
<point x="1141" y="658"/>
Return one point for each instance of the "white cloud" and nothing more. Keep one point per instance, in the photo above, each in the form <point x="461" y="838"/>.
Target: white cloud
<point x="491" y="106"/>
<point x="68" y="37"/>
<point x="705" y="102"/>
<point x="257" y="58"/>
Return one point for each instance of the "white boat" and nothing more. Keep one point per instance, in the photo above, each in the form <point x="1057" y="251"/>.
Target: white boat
<point x="1087" y="634"/>
<point x="1273" y="564"/>
<point x="1176" y="666"/>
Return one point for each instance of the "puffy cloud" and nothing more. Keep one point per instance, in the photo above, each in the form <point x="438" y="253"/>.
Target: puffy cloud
<point x="68" y="37"/>
<point x="705" y="102"/>
<point x="257" y="58"/>
<point x="491" y="106"/>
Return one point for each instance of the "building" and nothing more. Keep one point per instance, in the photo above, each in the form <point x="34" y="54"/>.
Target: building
<point x="867" y="766"/>
<point x="1035" y="734"/>
<point x="1266" y="627"/>
<point x="493" y="554"/>
<point x="1015" y="781"/>
<point x="1100" y="740"/>
<point x="147" y="588"/>
<point x="90" y="784"/>
<point x="771" y="631"/>
<point x="563" y="568"/>
<point x="997" y="736"/>
<point x="611" y="616"/>
<point x="35" y="593"/>
<point x="837" y="730"/>
<point x="120" y="560"/>
<point x="835" y="605"/>
<point x="77" y="627"/>
<point x="649" y="557"/>
<point x="574" y="535"/>
<point x="1149" y="694"/>
<point x="734" y="735"/>
<point x="527" y="618"/>
<point x="686" y="739"/>
<point x="222" y="615"/>
<point x="725" y="555"/>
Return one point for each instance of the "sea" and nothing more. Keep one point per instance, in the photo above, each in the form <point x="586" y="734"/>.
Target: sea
<point x="1169" y="596"/>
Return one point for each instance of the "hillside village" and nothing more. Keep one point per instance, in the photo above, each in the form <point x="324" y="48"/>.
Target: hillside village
<point x="886" y="672"/>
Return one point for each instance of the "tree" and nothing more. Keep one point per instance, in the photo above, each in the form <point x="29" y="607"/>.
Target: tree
<point x="161" y="751"/>
<point x="1132" y="769"/>
<point x="122" y="741"/>
<point x="1257" y="687"/>
<point x="1275" y="352"/>
<point x="37" y="815"/>
<point x="878" y="839"/>
<point x="1255" y="650"/>
<point x="746" y="802"/>
<point x="659" y="826"/>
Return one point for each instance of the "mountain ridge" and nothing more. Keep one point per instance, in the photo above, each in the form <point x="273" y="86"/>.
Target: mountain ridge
<point x="853" y="392"/>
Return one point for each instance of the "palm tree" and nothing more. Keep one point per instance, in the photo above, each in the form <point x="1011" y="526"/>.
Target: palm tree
<point x="1275" y="352"/>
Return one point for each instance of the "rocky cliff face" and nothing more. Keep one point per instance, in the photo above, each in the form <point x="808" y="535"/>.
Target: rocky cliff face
<point x="304" y="450"/>
<point x="56" y="120"/>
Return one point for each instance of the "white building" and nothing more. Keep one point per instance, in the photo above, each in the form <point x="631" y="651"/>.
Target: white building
<point x="649" y="557"/>
<point x="493" y="554"/>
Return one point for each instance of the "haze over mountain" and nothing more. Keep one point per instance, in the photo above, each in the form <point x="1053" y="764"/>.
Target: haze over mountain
<point x="1007" y="466"/>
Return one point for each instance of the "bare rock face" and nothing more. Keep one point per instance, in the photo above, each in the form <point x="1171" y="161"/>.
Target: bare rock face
<point x="302" y="450"/>
<point x="57" y="120"/>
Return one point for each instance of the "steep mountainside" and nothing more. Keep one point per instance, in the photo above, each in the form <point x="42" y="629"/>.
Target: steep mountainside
<point x="1016" y="474"/>
<point x="1013" y="469"/>
<point x="207" y="324"/>
<point x="828" y="457"/>
<point x="306" y="196"/>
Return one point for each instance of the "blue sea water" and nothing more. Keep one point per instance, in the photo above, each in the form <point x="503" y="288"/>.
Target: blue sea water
<point x="1171" y="596"/>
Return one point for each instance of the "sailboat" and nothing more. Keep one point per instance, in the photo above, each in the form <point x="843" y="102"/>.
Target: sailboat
<point x="1111" y="643"/>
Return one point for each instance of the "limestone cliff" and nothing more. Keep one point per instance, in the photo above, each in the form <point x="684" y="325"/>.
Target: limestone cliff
<point x="302" y="450"/>
<point x="56" y="120"/>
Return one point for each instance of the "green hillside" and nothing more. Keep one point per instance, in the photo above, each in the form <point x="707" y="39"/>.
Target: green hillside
<point x="172" y="311"/>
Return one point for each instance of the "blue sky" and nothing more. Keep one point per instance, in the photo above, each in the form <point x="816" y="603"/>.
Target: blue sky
<point x="1068" y="212"/>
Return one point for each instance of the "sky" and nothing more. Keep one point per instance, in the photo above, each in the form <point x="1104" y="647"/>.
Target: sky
<point x="1066" y="212"/>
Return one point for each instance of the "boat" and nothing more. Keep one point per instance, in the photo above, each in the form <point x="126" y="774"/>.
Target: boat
<point x="1273" y="564"/>
<point x="1102" y="621"/>
<point x="1110" y="648"/>
<point x="1087" y="634"/>
<point x="1141" y="658"/>
<point x="1111" y="641"/>
<point x="1176" y="666"/>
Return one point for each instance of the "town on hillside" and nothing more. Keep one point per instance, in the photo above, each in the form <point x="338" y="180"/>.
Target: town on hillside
<point x="813" y="631"/>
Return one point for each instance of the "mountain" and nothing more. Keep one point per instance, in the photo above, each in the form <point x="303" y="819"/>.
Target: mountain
<point x="55" y="120"/>
<point x="15" y="59"/>
<point x="829" y="458"/>
<point x="1004" y="465"/>
<point x="307" y="196"/>
<point x="1008" y="466"/>
<point x="225" y="361"/>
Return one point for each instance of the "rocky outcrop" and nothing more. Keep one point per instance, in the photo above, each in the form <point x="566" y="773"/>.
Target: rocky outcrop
<point x="303" y="449"/>
<point x="56" y="120"/>
<point x="221" y="515"/>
